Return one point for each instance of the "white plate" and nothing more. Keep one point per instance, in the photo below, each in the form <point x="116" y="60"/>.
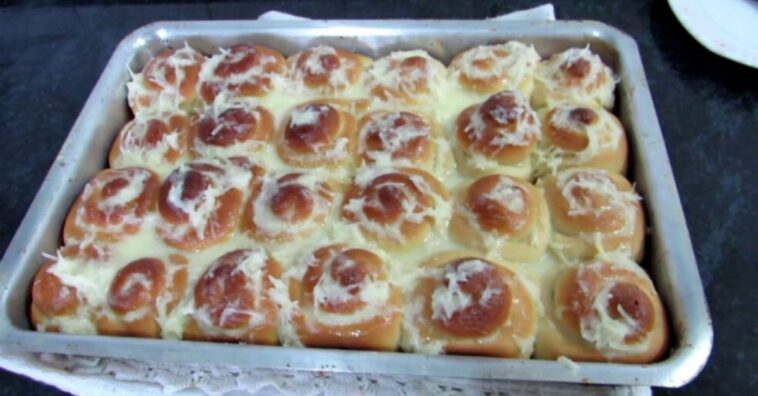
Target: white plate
<point x="727" y="27"/>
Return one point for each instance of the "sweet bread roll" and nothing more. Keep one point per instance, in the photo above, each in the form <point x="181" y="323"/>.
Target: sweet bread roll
<point x="141" y="293"/>
<point x="579" y="135"/>
<point x="168" y="82"/>
<point x="396" y="207"/>
<point x="113" y="204"/>
<point x="289" y="206"/>
<point x="502" y="214"/>
<point x="201" y="201"/>
<point x="318" y="133"/>
<point x="406" y="77"/>
<point x="232" y="130"/>
<point x="499" y="134"/>
<point x="398" y="138"/>
<point x="232" y="301"/>
<point x="468" y="305"/>
<point x="240" y="71"/>
<point x="576" y="75"/>
<point x="604" y="311"/>
<point x="345" y="300"/>
<point x="594" y="211"/>
<point x="327" y="70"/>
<point x="487" y="69"/>
<point x="157" y="143"/>
<point x="57" y="303"/>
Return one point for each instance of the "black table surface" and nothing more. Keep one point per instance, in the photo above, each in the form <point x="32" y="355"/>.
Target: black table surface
<point x="53" y="52"/>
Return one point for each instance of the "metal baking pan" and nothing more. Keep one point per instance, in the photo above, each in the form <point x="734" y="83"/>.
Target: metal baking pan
<point x="671" y="261"/>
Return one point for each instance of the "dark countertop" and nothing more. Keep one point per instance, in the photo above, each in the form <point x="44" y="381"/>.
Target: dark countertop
<point x="53" y="52"/>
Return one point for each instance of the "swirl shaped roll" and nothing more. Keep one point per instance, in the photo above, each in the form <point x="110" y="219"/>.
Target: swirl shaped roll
<point x="576" y="75"/>
<point x="200" y="202"/>
<point x="241" y="71"/>
<point x="487" y="69"/>
<point x="581" y="135"/>
<point x="594" y="211"/>
<point x="233" y="302"/>
<point x="232" y="130"/>
<point x="288" y="206"/>
<point x="396" y="207"/>
<point x="319" y="133"/>
<point x="345" y="300"/>
<point x="605" y="310"/>
<point x="157" y="143"/>
<point x="112" y="205"/>
<point x="499" y="134"/>
<point x="469" y="305"/>
<point x="406" y="78"/>
<point x="168" y="82"/>
<point x="141" y="295"/>
<point x="502" y="214"/>
<point x="328" y="70"/>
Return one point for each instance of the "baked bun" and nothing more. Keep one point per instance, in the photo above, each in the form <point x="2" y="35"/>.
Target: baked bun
<point x="396" y="207"/>
<point x="240" y="71"/>
<point x="488" y="69"/>
<point x="200" y="202"/>
<point x="594" y="211"/>
<point x="504" y="215"/>
<point x="579" y="135"/>
<point x="232" y="301"/>
<point x="58" y="304"/>
<point x="113" y="204"/>
<point x="406" y="77"/>
<point x="157" y="143"/>
<point x="345" y="300"/>
<point x="288" y="206"/>
<point x="575" y="75"/>
<point x="318" y="133"/>
<point x="168" y="82"/>
<point x="604" y="311"/>
<point x="233" y="130"/>
<point x="468" y="305"/>
<point x="499" y="134"/>
<point x="141" y="292"/>
<point x="327" y="70"/>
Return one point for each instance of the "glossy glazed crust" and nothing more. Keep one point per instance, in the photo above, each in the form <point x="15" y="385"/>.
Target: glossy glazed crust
<point x="219" y="134"/>
<point x="244" y="70"/>
<point x="161" y="76"/>
<point x="327" y="70"/>
<point x="133" y="147"/>
<point x="559" y="333"/>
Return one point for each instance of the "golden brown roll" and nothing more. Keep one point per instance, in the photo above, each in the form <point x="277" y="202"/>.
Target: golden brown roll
<point x="231" y="130"/>
<point x="499" y="134"/>
<point x="200" y="202"/>
<point x="319" y="133"/>
<point x="232" y="301"/>
<point x="400" y="138"/>
<point x="604" y="311"/>
<point x="468" y="305"/>
<point x="58" y="304"/>
<point x="289" y="206"/>
<point x="157" y="143"/>
<point x="327" y="70"/>
<point x="241" y="71"/>
<point x="581" y="135"/>
<point x="502" y="214"/>
<point x="406" y="77"/>
<point x="575" y="75"/>
<point x="487" y="69"/>
<point x="345" y="300"/>
<point x="167" y="83"/>
<point x="140" y="294"/>
<point x="397" y="207"/>
<point x="594" y="211"/>
<point x="112" y="205"/>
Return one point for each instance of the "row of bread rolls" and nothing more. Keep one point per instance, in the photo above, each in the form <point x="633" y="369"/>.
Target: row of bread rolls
<point x="501" y="134"/>
<point x="341" y="296"/>
<point x="180" y="78"/>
